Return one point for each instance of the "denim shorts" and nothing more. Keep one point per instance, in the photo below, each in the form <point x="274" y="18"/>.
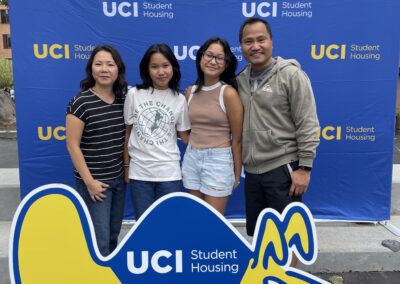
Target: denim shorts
<point x="208" y="170"/>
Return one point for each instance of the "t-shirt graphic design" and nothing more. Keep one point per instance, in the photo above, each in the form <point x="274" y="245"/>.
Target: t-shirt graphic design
<point x="154" y="122"/>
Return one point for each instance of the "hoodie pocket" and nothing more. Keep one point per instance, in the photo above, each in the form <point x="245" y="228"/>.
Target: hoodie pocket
<point x="247" y="147"/>
<point x="261" y="146"/>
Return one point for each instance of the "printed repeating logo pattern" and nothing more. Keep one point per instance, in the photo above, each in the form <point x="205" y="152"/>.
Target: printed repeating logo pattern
<point x="139" y="9"/>
<point x="275" y="9"/>
<point x="348" y="133"/>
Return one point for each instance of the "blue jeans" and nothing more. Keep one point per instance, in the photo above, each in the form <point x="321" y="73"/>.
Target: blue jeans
<point x="144" y="193"/>
<point x="106" y="215"/>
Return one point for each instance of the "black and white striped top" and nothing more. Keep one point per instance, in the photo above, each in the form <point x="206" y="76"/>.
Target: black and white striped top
<point x="102" y="142"/>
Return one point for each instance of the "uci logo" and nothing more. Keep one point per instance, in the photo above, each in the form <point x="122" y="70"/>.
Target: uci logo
<point x="124" y="9"/>
<point x="185" y="52"/>
<point x="332" y="51"/>
<point x="330" y="133"/>
<point x="56" y="51"/>
<point x="58" y="133"/>
<point x="263" y="9"/>
<point x="163" y="268"/>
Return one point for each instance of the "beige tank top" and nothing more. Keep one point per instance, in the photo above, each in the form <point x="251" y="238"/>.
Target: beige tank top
<point x="207" y="114"/>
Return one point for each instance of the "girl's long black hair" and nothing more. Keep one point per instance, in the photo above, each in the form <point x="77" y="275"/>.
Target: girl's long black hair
<point x="229" y="74"/>
<point x="166" y="51"/>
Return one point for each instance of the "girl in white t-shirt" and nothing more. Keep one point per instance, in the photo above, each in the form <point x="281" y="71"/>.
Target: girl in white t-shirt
<point x="155" y="112"/>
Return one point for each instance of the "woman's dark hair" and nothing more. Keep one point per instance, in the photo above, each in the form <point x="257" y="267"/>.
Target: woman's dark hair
<point x="228" y="76"/>
<point x="120" y="86"/>
<point x="166" y="51"/>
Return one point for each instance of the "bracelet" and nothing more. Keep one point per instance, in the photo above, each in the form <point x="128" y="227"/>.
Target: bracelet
<point x="126" y="165"/>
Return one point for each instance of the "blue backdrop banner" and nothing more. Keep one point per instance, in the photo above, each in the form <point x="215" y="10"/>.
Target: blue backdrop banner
<point x="349" y="49"/>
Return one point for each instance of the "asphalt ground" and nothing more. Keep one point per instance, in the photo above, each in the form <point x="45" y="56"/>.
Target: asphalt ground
<point x="8" y="153"/>
<point x="396" y="152"/>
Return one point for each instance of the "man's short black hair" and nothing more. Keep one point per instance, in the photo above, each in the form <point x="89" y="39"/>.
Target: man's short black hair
<point x="254" y="20"/>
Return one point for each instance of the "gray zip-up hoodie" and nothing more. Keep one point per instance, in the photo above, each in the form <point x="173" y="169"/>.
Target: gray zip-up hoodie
<point x="280" y="120"/>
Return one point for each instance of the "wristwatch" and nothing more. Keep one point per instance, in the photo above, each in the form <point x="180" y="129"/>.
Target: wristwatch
<point x="305" y="168"/>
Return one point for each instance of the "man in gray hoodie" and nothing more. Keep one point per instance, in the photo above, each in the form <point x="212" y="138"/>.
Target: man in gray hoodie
<point x="280" y="124"/>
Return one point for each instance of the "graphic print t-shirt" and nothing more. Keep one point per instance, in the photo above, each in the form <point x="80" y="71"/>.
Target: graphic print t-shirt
<point x="155" y="116"/>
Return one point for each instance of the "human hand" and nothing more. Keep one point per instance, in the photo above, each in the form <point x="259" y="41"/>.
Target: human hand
<point x="300" y="181"/>
<point x="236" y="184"/>
<point x="96" y="189"/>
<point x="126" y="174"/>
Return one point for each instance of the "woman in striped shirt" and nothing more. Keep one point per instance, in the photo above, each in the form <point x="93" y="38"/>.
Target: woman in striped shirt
<point x="95" y="141"/>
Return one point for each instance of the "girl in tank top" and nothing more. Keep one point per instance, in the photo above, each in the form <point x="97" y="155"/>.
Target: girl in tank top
<point x="212" y="163"/>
